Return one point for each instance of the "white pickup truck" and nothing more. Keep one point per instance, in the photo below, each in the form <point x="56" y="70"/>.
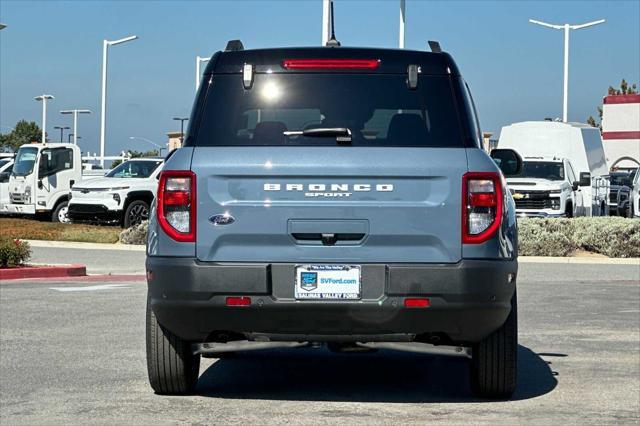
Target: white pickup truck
<point x="5" y="171"/>
<point x="547" y="187"/>
<point x="124" y="195"/>
<point x="41" y="178"/>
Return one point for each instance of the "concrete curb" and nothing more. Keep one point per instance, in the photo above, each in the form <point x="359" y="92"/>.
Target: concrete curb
<point x="85" y="246"/>
<point x="63" y="271"/>
<point x="581" y="260"/>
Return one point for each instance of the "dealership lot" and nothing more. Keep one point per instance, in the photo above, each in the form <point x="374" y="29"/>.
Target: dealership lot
<point x="74" y="352"/>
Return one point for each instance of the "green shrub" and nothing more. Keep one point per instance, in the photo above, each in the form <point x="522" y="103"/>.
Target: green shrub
<point x="13" y="252"/>
<point x="136" y="234"/>
<point x="609" y="236"/>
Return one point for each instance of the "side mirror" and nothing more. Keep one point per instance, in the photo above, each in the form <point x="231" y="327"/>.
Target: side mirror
<point x="508" y="160"/>
<point x="575" y="185"/>
<point x="585" y="179"/>
<point x="40" y="186"/>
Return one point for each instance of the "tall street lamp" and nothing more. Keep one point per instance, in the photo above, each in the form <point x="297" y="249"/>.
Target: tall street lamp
<point x="181" y="120"/>
<point x="401" y="28"/>
<point x="160" y="147"/>
<point x="75" y="113"/>
<point x="566" y="28"/>
<point x="62" y="129"/>
<point x="199" y="60"/>
<point x="103" y="114"/>
<point x="44" y="99"/>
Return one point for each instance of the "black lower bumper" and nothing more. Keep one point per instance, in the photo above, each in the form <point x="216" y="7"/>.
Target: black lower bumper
<point x="468" y="301"/>
<point x="93" y="213"/>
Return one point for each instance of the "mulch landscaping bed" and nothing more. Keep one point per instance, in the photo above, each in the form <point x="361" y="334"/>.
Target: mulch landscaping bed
<point x="30" y="229"/>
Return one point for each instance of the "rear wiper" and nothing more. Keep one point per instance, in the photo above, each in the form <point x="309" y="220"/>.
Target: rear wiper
<point x="342" y="134"/>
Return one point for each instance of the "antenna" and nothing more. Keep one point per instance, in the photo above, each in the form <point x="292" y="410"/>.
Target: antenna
<point x="332" y="42"/>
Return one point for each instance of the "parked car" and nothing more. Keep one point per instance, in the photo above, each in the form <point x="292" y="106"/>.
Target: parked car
<point x="124" y="195"/>
<point x="546" y="187"/>
<point x="338" y="196"/>
<point x="6" y="163"/>
<point x="621" y="183"/>
<point x="634" y="205"/>
<point x="581" y="144"/>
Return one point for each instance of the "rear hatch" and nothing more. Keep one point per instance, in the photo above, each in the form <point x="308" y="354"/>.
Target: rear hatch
<point x="388" y="189"/>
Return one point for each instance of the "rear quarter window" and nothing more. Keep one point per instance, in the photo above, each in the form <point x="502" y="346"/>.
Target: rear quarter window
<point x="379" y="109"/>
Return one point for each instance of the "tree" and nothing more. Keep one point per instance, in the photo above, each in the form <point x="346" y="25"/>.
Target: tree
<point x="24" y="132"/>
<point x="137" y="154"/>
<point x="623" y="90"/>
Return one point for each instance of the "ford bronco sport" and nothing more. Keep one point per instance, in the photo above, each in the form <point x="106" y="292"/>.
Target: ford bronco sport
<point x="333" y="196"/>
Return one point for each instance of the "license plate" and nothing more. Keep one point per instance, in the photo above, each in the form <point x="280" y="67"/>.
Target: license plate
<point x="328" y="282"/>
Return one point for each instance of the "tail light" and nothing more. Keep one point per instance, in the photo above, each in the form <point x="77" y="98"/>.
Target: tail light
<point x="330" y="64"/>
<point x="481" y="206"/>
<point x="177" y="205"/>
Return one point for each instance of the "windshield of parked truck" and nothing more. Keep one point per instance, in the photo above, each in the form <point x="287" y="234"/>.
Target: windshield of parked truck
<point x="621" y="179"/>
<point x="135" y="169"/>
<point x="379" y="110"/>
<point x="25" y="161"/>
<point x="550" y="170"/>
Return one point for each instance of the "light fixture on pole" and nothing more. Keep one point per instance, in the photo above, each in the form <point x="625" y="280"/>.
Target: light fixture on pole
<point x="44" y="99"/>
<point x="103" y="114"/>
<point x="75" y="138"/>
<point x="402" y="21"/>
<point x="566" y="28"/>
<point x="199" y="61"/>
<point x="181" y="120"/>
<point x="2" y="26"/>
<point x="75" y="113"/>
<point x="62" y="129"/>
<point x="160" y="147"/>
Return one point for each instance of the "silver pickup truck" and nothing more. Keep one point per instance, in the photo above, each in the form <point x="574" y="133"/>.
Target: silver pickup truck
<point x="333" y="196"/>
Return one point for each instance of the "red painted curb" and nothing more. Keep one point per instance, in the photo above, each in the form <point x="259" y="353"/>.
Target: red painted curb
<point x="74" y="270"/>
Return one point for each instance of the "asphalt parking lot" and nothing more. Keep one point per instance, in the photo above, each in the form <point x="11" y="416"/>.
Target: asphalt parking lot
<point x="71" y="352"/>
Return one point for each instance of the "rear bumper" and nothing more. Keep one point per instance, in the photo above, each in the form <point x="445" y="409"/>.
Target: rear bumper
<point x="93" y="213"/>
<point x="468" y="301"/>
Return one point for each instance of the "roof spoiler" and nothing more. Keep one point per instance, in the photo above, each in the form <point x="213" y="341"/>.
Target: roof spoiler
<point x="435" y="46"/>
<point x="234" y="46"/>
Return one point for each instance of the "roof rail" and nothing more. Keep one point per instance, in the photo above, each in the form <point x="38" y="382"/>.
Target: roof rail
<point x="435" y="46"/>
<point x="233" y="46"/>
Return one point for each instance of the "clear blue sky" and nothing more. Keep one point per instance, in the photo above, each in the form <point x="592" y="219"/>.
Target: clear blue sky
<point x="514" y="68"/>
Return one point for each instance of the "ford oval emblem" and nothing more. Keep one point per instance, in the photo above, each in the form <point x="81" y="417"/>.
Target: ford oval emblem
<point x="222" y="219"/>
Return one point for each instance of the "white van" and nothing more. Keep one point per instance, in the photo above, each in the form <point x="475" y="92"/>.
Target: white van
<point x="579" y="143"/>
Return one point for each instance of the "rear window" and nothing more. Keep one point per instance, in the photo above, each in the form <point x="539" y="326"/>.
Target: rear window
<point x="379" y="109"/>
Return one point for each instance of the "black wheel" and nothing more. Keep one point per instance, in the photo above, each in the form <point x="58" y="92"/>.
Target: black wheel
<point x="173" y="369"/>
<point x="61" y="213"/>
<point x="137" y="211"/>
<point x="569" y="210"/>
<point x="494" y="360"/>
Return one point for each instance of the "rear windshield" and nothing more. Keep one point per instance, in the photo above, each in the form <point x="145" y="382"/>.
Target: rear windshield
<point x="378" y="109"/>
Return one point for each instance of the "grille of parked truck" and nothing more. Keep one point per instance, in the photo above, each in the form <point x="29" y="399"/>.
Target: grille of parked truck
<point x="333" y="196"/>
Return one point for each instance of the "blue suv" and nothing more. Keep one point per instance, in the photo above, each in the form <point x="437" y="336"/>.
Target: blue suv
<point x="336" y="196"/>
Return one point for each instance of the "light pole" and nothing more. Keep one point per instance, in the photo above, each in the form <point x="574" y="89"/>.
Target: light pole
<point x="181" y="120"/>
<point x="326" y="31"/>
<point x="75" y="138"/>
<point x="44" y="99"/>
<point x="62" y="129"/>
<point x="566" y="28"/>
<point x="199" y="60"/>
<point x="103" y="114"/>
<point x="402" y="21"/>
<point x="75" y="113"/>
<point x="160" y="147"/>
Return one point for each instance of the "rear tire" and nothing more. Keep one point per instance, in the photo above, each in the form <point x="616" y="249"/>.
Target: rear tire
<point x="494" y="360"/>
<point x="173" y="369"/>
